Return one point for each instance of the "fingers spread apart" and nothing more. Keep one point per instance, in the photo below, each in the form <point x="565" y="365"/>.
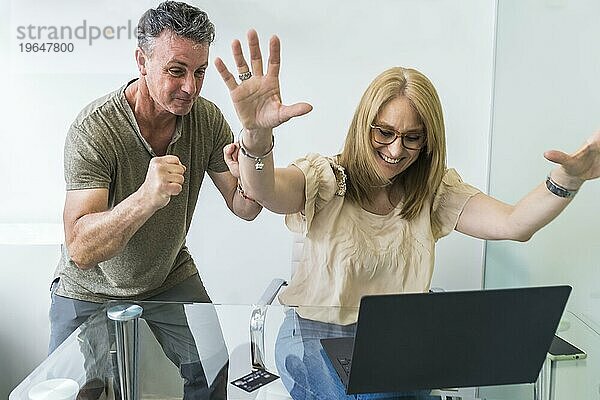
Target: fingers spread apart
<point x="256" y="64"/>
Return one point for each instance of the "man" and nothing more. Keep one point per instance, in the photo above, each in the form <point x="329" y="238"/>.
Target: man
<point x="134" y="163"/>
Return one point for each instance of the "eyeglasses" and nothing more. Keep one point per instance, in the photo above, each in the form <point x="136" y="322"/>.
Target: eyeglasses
<point x="410" y="141"/>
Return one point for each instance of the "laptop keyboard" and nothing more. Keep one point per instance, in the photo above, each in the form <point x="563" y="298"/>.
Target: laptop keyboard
<point x="345" y="363"/>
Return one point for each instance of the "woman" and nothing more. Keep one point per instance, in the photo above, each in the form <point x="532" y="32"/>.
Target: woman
<point x="371" y="215"/>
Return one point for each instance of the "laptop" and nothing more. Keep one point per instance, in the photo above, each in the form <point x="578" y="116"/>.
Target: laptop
<point x="408" y="342"/>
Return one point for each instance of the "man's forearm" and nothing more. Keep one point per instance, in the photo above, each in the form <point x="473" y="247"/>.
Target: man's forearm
<point x="100" y="236"/>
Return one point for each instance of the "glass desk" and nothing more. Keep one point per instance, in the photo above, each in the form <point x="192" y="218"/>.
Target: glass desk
<point x="229" y="340"/>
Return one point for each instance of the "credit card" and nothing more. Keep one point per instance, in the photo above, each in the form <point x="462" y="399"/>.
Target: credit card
<point x="254" y="380"/>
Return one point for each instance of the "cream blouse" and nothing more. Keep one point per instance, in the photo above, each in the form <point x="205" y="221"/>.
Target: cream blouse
<point x="350" y="252"/>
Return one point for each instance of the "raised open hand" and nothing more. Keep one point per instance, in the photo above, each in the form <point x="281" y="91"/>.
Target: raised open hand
<point x="257" y="98"/>
<point x="584" y="164"/>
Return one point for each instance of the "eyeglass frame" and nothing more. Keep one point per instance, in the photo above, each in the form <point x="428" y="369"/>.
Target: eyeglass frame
<point x="397" y="135"/>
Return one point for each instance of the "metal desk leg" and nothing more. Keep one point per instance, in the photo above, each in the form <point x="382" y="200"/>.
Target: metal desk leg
<point x="544" y="386"/>
<point x="126" y="319"/>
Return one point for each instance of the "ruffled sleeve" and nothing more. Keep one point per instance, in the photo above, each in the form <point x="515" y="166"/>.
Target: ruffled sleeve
<point x="323" y="181"/>
<point x="448" y="203"/>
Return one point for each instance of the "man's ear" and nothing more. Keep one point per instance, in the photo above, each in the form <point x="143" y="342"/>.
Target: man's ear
<point x="141" y="59"/>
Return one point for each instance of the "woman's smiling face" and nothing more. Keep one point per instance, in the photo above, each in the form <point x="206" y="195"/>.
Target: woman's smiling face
<point x="396" y="117"/>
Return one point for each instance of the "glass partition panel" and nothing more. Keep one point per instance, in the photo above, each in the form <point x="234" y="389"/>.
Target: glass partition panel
<point x="546" y="97"/>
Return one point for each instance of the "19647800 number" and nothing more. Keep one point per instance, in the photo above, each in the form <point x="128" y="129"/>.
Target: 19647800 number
<point x="46" y="47"/>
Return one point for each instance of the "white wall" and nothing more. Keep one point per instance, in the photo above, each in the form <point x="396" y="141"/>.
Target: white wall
<point x="328" y="60"/>
<point x="330" y="54"/>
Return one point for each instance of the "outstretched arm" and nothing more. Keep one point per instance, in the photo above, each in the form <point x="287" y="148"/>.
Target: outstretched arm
<point x="257" y="101"/>
<point x="487" y="218"/>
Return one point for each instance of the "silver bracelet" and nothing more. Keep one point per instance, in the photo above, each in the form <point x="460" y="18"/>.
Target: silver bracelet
<point x="559" y="190"/>
<point x="258" y="160"/>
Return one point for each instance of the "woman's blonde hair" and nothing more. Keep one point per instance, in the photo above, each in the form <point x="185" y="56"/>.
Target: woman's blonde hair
<point x="422" y="178"/>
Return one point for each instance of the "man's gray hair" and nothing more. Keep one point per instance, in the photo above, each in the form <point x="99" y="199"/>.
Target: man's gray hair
<point x="182" y="19"/>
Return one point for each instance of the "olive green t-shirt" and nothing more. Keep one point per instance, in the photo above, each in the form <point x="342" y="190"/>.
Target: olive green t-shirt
<point x="105" y="149"/>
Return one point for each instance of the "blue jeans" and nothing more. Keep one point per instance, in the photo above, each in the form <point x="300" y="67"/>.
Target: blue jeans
<point x="305" y="369"/>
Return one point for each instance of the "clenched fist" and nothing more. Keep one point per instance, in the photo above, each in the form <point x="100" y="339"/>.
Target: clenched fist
<point x="163" y="180"/>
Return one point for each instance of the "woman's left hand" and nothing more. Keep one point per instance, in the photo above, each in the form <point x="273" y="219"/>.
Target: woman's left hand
<point x="582" y="165"/>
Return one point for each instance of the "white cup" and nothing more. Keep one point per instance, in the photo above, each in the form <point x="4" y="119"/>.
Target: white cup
<point x="55" y="389"/>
